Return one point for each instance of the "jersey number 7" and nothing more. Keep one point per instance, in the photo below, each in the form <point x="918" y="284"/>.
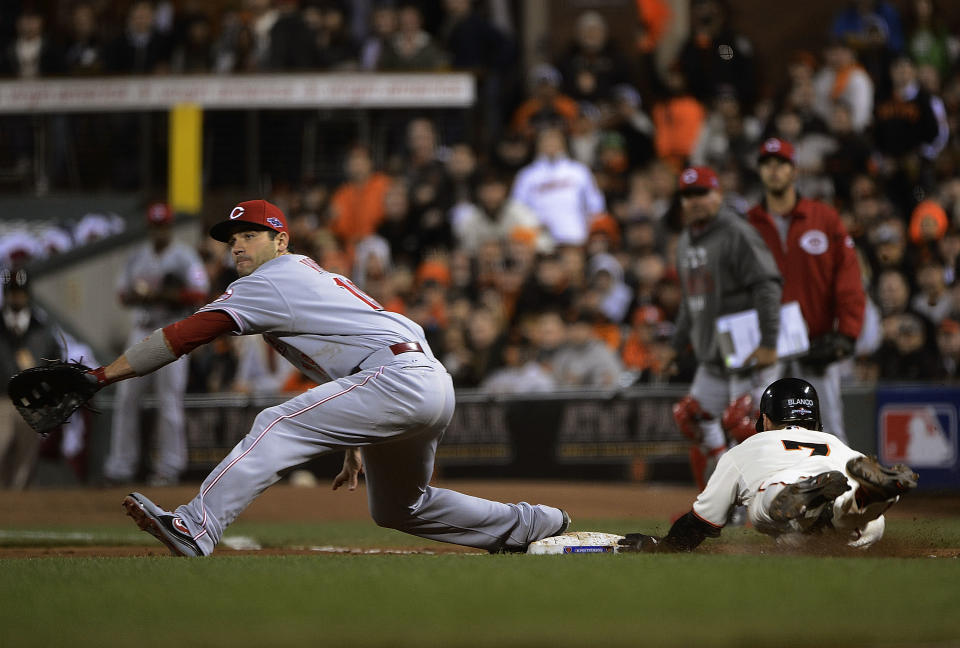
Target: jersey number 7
<point x="815" y="448"/>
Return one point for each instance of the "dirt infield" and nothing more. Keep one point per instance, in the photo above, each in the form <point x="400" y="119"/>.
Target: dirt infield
<point x="284" y="503"/>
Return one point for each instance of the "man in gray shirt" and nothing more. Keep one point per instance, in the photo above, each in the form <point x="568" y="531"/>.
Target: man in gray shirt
<point x="724" y="267"/>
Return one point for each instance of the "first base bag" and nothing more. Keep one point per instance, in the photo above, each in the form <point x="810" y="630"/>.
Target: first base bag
<point x="579" y="542"/>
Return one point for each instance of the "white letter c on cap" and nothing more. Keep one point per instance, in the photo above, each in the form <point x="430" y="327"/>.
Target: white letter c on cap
<point x="236" y="213"/>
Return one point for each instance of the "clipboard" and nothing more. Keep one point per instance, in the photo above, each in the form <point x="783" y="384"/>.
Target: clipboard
<point x="738" y="335"/>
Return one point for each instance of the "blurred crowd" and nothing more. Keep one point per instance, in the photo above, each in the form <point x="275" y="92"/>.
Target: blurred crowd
<point x="524" y="282"/>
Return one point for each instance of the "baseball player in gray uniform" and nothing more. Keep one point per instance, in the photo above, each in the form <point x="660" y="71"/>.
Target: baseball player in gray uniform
<point x="794" y="479"/>
<point x="383" y="398"/>
<point x="163" y="281"/>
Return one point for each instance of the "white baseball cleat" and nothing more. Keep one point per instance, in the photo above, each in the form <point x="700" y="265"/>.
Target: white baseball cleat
<point x="162" y="525"/>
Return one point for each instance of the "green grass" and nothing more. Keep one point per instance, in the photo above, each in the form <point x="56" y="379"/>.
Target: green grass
<point x="450" y="600"/>
<point x="477" y="600"/>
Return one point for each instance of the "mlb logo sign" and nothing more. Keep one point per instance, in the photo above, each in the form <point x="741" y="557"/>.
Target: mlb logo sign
<point x="921" y="435"/>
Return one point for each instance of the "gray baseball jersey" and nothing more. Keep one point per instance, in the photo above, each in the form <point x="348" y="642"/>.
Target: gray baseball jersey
<point x="145" y="266"/>
<point x="754" y="472"/>
<point x="395" y="406"/>
<point x="319" y="321"/>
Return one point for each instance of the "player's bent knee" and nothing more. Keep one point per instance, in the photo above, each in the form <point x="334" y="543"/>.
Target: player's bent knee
<point x="391" y="517"/>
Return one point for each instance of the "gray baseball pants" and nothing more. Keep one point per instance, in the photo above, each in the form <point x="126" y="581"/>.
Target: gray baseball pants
<point x="397" y="414"/>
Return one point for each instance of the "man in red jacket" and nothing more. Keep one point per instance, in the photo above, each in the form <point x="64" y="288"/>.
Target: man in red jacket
<point x="816" y="257"/>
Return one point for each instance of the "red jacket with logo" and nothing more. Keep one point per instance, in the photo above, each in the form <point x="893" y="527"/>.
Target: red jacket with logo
<point x="819" y="266"/>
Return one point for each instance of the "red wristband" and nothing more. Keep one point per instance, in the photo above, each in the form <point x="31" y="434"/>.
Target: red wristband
<point x="100" y="373"/>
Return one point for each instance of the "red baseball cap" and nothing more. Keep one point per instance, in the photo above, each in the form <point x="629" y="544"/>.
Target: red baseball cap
<point x="776" y="147"/>
<point x="698" y="179"/>
<point x="159" y="213"/>
<point x="259" y="213"/>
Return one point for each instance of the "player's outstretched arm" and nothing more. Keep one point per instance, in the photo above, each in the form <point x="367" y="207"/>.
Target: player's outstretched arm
<point x="686" y="534"/>
<point x="165" y="345"/>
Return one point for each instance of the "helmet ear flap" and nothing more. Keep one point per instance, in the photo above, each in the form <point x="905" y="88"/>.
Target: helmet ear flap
<point x="760" y="422"/>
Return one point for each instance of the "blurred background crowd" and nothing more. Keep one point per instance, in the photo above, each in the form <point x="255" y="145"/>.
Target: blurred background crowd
<point x="445" y="219"/>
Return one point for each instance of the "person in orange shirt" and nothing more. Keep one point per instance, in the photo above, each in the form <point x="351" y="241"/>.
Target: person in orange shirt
<point x="357" y="204"/>
<point x="677" y="121"/>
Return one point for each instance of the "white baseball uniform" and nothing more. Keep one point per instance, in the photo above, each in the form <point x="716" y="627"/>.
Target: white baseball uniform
<point x="169" y="383"/>
<point x="393" y="403"/>
<point x="754" y="472"/>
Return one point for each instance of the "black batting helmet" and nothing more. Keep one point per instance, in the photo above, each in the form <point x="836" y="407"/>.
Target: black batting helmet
<point x="790" y="400"/>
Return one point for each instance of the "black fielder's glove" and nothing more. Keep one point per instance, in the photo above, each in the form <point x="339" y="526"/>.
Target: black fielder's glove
<point x="638" y="543"/>
<point x="46" y="396"/>
<point x="828" y="348"/>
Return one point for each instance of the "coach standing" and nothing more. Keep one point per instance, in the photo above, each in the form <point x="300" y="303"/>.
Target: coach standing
<point x="818" y="262"/>
<point x="724" y="268"/>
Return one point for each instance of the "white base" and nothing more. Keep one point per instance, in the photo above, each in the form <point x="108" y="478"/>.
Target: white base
<point x="579" y="542"/>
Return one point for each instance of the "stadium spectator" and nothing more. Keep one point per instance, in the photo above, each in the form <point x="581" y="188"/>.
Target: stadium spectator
<point x="728" y="136"/>
<point x="893" y="294"/>
<point x="592" y="64"/>
<point x="429" y="195"/>
<point x="411" y="48"/>
<point x="948" y="349"/>
<point x="560" y="191"/>
<point x="677" y="121"/>
<point x="716" y="56"/>
<point x="929" y="41"/>
<point x="610" y="296"/>
<point x="140" y="49"/>
<point x="872" y="29"/>
<point x="83" y="53"/>
<point x="866" y="24"/>
<point x="356" y="207"/>
<point x="637" y="352"/>
<point x="545" y="106"/>
<point x="850" y="156"/>
<point x="32" y="53"/>
<point x="333" y="45"/>
<point x="493" y="215"/>
<point x="842" y="78"/>
<point x="904" y="123"/>
<point x="932" y="299"/>
<point x="475" y="43"/>
<point x="383" y="27"/>
<point x="519" y="374"/>
<point x="484" y="344"/>
<point x="194" y="54"/>
<point x="548" y="288"/>
<point x="628" y="119"/>
<point x="582" y="360"/>
<point x="909" y="352"/>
